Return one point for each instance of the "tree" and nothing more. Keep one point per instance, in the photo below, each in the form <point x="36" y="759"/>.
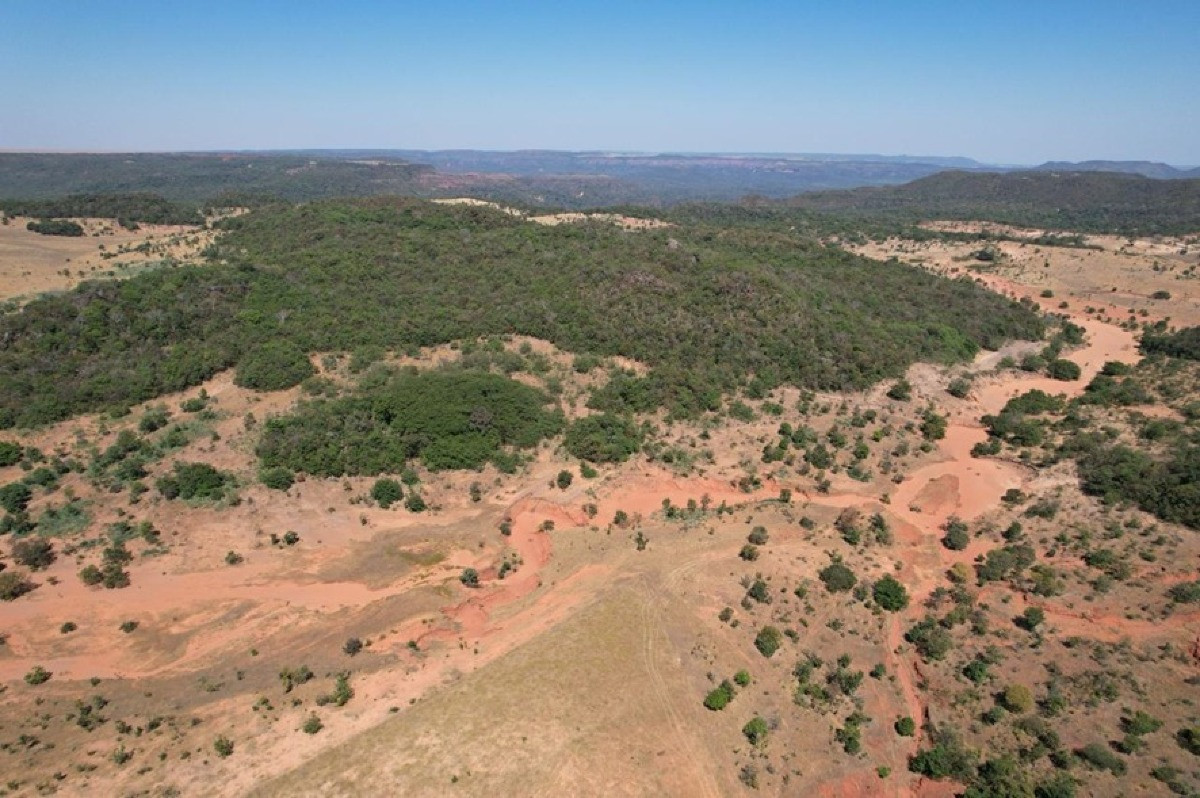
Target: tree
<point x="756" y="731"/>
<point x="1031" y="618"/>
<point x="564" y="479"/>
<point x="469" y="577"/>
<point x="223" y="746"/>
<point x="837" y="577"/>
<point x="386" y="492"/>
<point x="15" y="497"/>
<point x="890" y="594"/>
<point x="957" y="535"/>
<point x="906" y="727"/>
<point x="768" y="640"/>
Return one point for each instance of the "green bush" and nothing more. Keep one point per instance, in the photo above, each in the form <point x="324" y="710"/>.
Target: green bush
<point x="768" y="640"/>
<point x="273" y="366"/>
<point x="719" y="698"/>
<point x="277" y="478"/>
<point x="55" y="227"/>
<point x="194" y="481"/>
<point x="1063" y="370"/>
<point x="837" y="577"/>
<point x="756" y="731"/>
<point x="906" y="727"/>
<point x="890" y="594"/>
<point x="386" y="492"/>
<point x="10" y="453"/>
<point x="564" y="479"/>
<point x="603" y="438"/>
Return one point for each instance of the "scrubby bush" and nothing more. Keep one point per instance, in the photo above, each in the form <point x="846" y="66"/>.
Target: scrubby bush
<point x="35" y="553"/>
<point x="13" y="585"/>
<point x="1063" y="370"/>
<point x="277" y="478"/>
<point x="194" y="481"/>
<point x="756" y="731"/>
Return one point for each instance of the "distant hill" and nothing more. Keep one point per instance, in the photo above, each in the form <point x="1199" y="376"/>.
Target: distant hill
<point x="1160" y="171"/>
<point x="1083" y="201"/>
<point x="200" y="177"/>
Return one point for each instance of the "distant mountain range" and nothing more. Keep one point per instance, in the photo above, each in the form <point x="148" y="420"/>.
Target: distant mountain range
<point x="1159" y="171"/>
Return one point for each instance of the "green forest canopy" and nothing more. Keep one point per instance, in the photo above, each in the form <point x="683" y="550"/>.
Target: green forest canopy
<point x="708" y="308"/>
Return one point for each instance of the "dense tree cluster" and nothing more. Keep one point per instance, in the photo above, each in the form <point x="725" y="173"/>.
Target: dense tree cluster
<point x="447" y="419"/>
<point x="127" y="209"/>
<point x="56" y="227"/>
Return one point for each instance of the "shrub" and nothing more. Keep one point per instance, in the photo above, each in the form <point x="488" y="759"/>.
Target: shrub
<point x="223" y="746"/>
<point x="890" y="594"/>
<point x="37" y="675"/>
<point x="719" y="698"/>
<point x="564" y="479"/>
<point x="768" y="640"/>
<point x="837" y="577"/>
<point x="749" y="553"/>
<point x="742" y="678"/>
<point x="353" y="646"/>
<point x="129" y="626"/>
<point x="931" y="640"/>
<point x="756" y="731"/>
<point x="277" y="478"/>
<point x="959" y="387"/>
<point x="1017" y="698"/>
<point x="906" y="727"/>
<point x="10" y="453"/>
<point x="469" y="577"/>
<point x="194" y="481"/>
<point x="386" y="492"/>
<point x="414" y="503"/>
<point x="1099" y="757"/>
<point x="312" y="724"/>
<point x="758" y="536"/>
<point x="1032" y="618"/>
<point x="35" y="553"/>
<point x="603" y="438"/>
<point x="947" y="759"/>
<point x="1185" y="592"/>
<point x="273" y="366"/>
<point x="1063" y="370"/>
<point x="15" y="497"/>
<point x="901" y="391"/>
<point x="91" y="575"/>
<point x="13" y="585"/>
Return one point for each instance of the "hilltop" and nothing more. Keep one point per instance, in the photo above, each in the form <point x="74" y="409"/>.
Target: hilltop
<point x="1084" y="201"/>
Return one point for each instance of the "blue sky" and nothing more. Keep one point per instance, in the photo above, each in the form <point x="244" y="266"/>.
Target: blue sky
<point x="1021" y="81"/>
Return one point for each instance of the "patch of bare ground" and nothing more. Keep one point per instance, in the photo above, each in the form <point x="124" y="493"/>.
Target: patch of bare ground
<point x="33" y="264"/>
<point x="1122" y="278"/>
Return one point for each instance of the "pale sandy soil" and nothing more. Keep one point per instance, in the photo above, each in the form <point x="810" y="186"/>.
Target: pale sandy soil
<point x="1120" y="272"/>
<point x="552" y="219"/>
<point x="580" y="673"/>
<point x="32" y="263"/>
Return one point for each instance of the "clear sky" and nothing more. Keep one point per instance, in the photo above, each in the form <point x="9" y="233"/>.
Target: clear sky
<point x="1017" y="81"/>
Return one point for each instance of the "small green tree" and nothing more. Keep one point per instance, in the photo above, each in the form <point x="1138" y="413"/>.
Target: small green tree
<point x="386" y="492"/>
<point x="469" y="577"/>
<point x="756" y="731"/>
<point x="890" y="594"/>
<point x="564" y="479"/>
<point x="768" y="640"/>
<point x="837" y="577"/>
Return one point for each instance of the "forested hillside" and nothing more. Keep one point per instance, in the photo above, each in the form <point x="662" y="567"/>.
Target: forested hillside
<point x="707" y="308"/>
<point x="129" y="209"/>
<point x="1095" y="202"/>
